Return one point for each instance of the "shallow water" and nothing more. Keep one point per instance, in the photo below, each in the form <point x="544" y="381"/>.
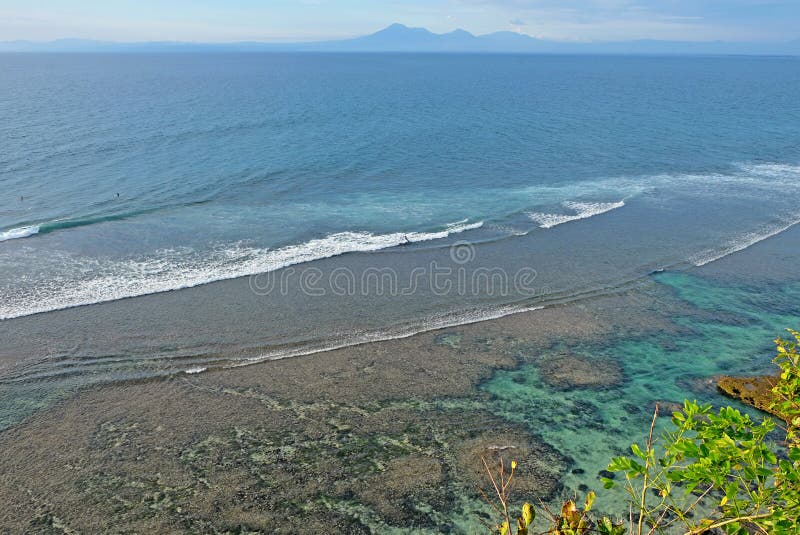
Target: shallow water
<point x="515" y="191"/>
<point x="527" y="181"/>
<point x="348" y="424"/>
<point x="730" y="332"/>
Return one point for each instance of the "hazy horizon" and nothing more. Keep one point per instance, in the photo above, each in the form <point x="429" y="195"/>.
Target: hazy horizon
<point x="383" y="28"/>
<point x="213" y="21"/>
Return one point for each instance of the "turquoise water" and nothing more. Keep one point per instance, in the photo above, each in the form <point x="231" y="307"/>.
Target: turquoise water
<point x="127" y="177"/>
<point x="724" y="329"/>
<point x="669" y="181"/>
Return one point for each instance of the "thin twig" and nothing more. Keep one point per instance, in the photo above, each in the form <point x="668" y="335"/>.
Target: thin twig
<point x="490" y="502"/>
<point x="500" y="495"/>
<point x="630" y="518"/>
<point x="682" y="512"/>
<point x="504" y="498"/>
<point x="491" y="477"/>
<point x="704" y="529"/>
<point x="643" y="509"/>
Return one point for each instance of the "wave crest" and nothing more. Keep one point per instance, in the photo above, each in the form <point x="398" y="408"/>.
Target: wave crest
<point x="742" y="242"/>
<point x="17" y="233"/>
<point x="185" y="268"/>
<point x="583" y="210"/>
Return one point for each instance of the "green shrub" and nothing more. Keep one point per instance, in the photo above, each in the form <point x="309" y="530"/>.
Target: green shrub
<point x="712" y="470"/>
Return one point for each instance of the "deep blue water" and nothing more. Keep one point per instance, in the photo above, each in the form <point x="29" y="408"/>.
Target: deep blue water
<point x="126" y="175"/>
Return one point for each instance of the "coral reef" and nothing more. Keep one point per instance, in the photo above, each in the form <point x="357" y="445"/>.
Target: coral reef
<point x="570" y="371"/>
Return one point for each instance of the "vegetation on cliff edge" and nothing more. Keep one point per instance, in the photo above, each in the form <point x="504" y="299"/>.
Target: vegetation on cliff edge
<point x="711" y="471"/>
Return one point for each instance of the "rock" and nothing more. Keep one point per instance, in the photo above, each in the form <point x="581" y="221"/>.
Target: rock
<point x="578" y="471"/>
<point x="405" y="490"/>
<point x="665" y="408"/>
<point x="570" y="371"/>
<point x="632" y="408"/>
<point x="606" y="474"/>
<point x="699" y="385"/>
<point x="539" y="469"/>
<point x="755" y="391"/>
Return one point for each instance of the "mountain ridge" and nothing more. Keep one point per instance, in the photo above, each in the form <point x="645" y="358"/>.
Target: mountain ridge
<point x="400" y="38"/>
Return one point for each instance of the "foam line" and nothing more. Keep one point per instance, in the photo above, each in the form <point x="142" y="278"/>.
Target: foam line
<point x="177" y="269"/>
<point x="741" y="243"/>
<point x="583" y="210"/>
<point x="20" y="232"/>
<point x="433" y="324"/>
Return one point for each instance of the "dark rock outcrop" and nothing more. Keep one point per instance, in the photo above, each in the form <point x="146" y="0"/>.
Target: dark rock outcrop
<point x="755" y="391"/>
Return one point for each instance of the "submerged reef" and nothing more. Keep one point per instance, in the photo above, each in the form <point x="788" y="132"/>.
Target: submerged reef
<point x="377" y="438"/>
<point x="570" y="371"/>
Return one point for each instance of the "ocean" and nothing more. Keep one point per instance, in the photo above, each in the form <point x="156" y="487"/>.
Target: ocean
<point x="129" y="175"/>
<point x="170" y="221"/>
<point x="136" y="175"/>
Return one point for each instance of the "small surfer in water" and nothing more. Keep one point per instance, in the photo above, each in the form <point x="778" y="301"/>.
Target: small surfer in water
<point x="406" y="241"/>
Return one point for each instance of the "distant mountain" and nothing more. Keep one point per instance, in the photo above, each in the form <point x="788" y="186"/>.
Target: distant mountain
<point x="400" y="38"/>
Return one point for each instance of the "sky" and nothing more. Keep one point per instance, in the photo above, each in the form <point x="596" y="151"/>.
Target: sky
<point x="311" y="20"/>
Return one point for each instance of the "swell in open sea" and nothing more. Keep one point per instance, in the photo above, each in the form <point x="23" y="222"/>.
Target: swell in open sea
<point x="168" y="214"/>
<point x="247" y="305"/>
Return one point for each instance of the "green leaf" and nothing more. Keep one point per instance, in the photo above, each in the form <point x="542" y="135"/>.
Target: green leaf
<point x="619" y="464"/>
<point x="636" y="469"/>
<point x="589" y="501"/>
<point x="638" y="451"/>
<point x="528" y="514"/>
<point x="731" y="490"/>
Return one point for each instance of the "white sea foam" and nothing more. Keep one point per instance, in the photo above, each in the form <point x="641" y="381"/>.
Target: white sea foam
<point x="583" y="210"/>
<point x="740" y="243"/>
<point x="176" y="269"/>
<point x="86" y="281"/>
<point x="509" y="230"/>
<point x="775" y="170"/>
<point x="431" y="324"/>
<point x="21" y="232"/>
<point x="193" y="371"/>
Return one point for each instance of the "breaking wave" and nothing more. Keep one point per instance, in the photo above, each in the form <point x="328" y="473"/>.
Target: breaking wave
<point x="582" y="210"/>
<point x="175" y="269"/>
<point x="17" y="233"/>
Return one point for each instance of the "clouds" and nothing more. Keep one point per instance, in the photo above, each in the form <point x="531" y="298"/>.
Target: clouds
<point x="655" y="19"/>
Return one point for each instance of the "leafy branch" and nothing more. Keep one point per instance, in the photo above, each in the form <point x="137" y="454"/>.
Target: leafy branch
<point x="718" y="462"/>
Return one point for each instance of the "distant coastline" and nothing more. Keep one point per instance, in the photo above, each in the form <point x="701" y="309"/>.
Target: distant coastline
<point x="401" y="38"/>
